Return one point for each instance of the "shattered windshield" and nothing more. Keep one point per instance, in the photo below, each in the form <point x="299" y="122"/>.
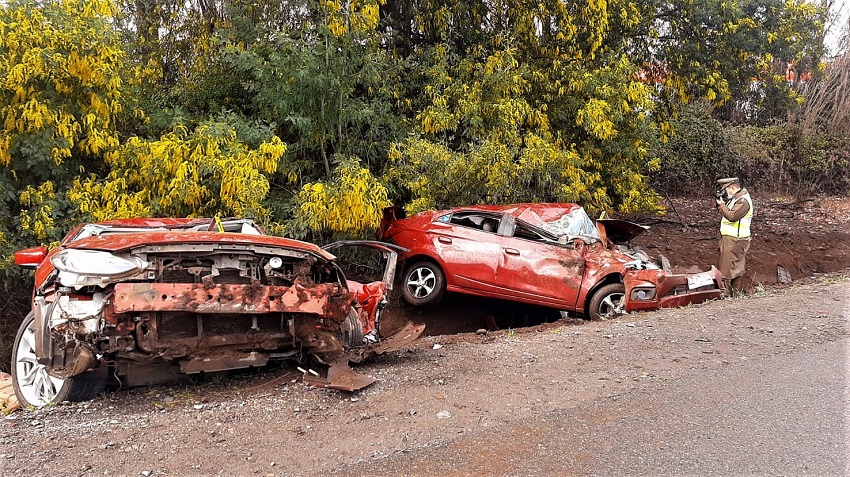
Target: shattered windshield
<point x="574" y="224"/>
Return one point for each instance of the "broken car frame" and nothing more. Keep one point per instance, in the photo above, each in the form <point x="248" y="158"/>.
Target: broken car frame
<point x="148" y="300"/>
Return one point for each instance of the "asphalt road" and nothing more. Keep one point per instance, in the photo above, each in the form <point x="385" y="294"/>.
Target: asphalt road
<point x="787" y="415"/>
<point x="784" y="415"/>
<point x="756" y="386"/>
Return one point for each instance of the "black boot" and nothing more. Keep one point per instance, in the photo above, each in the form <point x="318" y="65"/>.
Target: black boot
<point x="736" y="287"/>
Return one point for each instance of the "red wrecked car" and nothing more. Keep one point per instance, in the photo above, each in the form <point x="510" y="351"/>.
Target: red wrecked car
<point x="148" y="300"/>
<point x="544" y="254"/>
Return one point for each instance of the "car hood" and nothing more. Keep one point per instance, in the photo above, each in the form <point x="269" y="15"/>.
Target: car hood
<point x="621" y="231"/>
<point x="128" y="241"/>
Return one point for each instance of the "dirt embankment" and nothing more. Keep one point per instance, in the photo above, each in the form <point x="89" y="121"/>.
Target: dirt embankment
<point x="805" y="238"/>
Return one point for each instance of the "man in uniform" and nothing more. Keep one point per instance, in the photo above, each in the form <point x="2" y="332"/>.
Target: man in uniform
<point x="736" y="208"/>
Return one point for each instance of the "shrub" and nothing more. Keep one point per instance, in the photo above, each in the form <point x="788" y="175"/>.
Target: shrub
<point x="789" y="160"/>
<point x="696" y="154"/>
<point x="784" y="159"/>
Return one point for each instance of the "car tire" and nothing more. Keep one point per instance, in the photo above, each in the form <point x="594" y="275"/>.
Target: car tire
<point x="351" y="331"/>
<point x="35" y="388"/>
<point x="608" y="302"/>
<point x="424" y="284"/>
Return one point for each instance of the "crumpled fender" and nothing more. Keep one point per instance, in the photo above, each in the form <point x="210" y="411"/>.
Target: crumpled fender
<point x="368" y="298"/>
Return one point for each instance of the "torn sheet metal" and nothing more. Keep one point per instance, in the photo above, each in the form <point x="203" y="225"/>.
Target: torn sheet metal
<point x="322" y="298"/>
<point x="405" y="336"/>
<point x="341" y="377"/>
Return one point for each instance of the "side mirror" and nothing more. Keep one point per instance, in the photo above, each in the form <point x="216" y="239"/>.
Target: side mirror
<point x="30" y="257"/>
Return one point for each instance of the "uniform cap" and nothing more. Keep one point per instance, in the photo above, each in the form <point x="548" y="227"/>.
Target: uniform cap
<point x="726" y="182"/>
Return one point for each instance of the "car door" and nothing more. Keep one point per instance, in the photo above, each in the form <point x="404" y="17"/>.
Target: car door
<point x="469" y="247"/>
<point x="535" y="268"/>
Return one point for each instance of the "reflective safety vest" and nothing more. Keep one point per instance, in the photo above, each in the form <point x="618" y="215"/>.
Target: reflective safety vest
<point x="741" y="228"/>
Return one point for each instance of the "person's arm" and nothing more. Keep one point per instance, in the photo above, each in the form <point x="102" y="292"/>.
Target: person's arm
<point x="737" y="212"/>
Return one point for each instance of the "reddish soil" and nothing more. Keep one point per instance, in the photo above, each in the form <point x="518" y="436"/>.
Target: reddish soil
<point x="806" y="238"/>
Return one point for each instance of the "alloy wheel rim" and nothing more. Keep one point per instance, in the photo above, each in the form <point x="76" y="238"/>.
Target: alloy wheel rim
<point x="421" y="282"/>
<point x="612" y="305"/>
<point x="36" y="385"/>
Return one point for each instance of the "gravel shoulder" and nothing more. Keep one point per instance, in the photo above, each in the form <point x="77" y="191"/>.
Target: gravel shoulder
<point x="464" y="404"/>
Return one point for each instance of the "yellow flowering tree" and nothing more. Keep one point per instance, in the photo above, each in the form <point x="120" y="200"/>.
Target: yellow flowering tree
<point x="61" y="92"/>
<point x="184" y="173"/>
<point x="349" y="204"/>
<point x="530" y="114"/>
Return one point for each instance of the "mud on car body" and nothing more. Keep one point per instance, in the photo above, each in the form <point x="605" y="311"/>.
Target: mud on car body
<point x="148" y="300"/>
<point x="549" y="254"/>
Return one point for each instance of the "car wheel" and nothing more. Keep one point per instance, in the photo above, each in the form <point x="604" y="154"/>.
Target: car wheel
<point x="608" y="302"/>
<point x="35" y="387"/>
<point x="424" y="284"/>
<point x="351" y="331"/>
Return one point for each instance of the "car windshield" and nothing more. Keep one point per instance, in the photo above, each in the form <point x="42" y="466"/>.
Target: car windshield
<point x="575" y="224"/>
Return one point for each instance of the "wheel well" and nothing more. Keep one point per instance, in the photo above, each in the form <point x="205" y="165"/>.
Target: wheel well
<point x="420" y="258"/>
<point x="612" y="278"/>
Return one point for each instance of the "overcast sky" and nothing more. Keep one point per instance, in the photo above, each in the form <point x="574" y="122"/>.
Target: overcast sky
<point x="838" y="28"/>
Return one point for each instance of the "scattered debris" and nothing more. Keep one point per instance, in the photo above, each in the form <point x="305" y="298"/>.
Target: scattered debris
<point x="8" y="400"/>
<point x="782" y="275"/>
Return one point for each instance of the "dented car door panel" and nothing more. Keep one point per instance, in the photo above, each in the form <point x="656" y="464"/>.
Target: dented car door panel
<point x="532" y="269"/>
<point x="470" y="252"/>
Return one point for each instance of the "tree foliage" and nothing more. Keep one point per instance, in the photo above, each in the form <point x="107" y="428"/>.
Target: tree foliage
<point x="204" y="172"/>
<point x="531" y="113"/>
<point x="326" y="83"/>
<point x="734" y="53"/>
<point x="347" y="205"/>
<point x="62" y="88"/>
<point x="425" y="103"/>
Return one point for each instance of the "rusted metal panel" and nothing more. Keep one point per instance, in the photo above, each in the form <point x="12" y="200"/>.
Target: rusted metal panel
<point x="173" y="335"/>
<point x="403" y="337"/>
<point x="341" y="377"/>
<point x="222" y="362"/>
<point x="324" y="298"/>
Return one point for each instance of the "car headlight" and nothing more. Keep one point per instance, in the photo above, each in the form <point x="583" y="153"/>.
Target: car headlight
<point x="94" y="263"/>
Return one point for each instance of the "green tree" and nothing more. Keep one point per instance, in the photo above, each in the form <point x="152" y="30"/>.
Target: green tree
<point x="734" y="53"/>
<point x="204" y="172"/>
<point x="62" y="90"/>
<point x="327" y="84"/>
<point x="541" y="108"/>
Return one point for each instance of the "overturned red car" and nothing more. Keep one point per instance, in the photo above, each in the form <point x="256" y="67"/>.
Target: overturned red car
<point x="147" y="300"/>
<point x="549" y="254"/>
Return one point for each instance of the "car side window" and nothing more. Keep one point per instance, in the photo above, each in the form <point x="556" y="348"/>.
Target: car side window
<point x="476" y="220"/>
<point x="523" y="231"/>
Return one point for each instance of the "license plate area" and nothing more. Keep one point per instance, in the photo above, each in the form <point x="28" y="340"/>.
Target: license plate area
<point x="700" y="280"/>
